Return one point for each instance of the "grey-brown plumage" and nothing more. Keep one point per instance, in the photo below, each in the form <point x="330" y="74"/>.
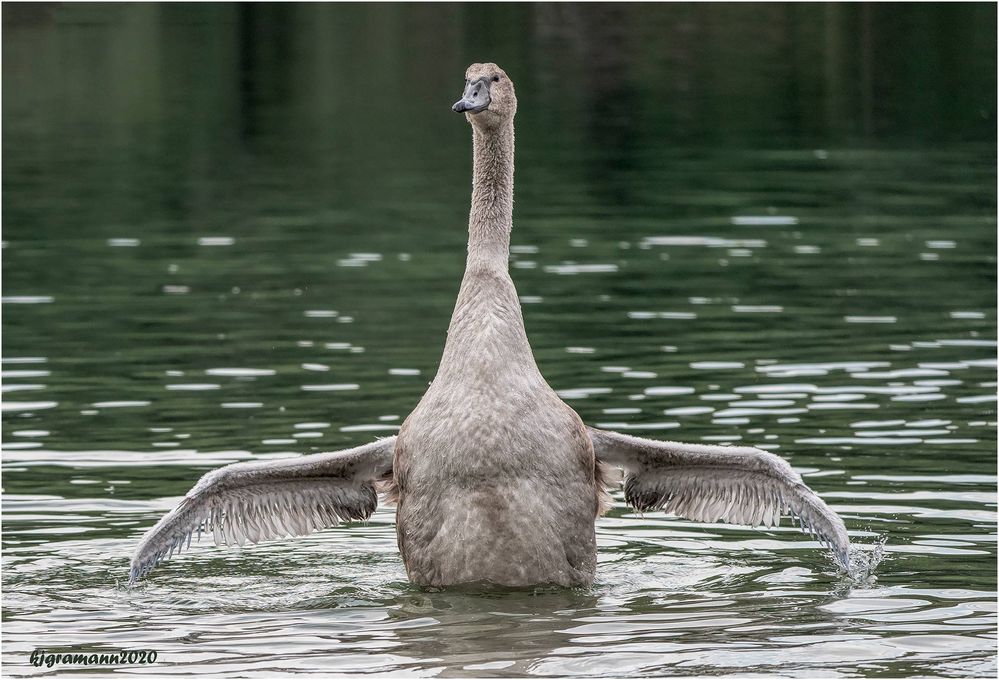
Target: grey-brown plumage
<point x="495" y="473"/>
<point x="496" y="478"/>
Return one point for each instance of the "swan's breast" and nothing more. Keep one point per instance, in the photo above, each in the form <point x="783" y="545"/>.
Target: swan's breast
<point x="489" y="414"/>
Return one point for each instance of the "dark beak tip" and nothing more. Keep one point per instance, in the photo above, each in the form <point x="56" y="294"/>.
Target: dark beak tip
<point x="459" y="107"/>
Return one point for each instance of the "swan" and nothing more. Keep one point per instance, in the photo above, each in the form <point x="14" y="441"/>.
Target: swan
<point x="495" y="478"/>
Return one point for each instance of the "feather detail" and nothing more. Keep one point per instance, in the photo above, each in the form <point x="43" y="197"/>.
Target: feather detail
<point x="738" y="485"/>
<point x="252" y="502"/>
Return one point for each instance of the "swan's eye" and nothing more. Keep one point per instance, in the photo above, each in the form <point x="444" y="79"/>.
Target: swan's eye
<point x="496" y="79"/>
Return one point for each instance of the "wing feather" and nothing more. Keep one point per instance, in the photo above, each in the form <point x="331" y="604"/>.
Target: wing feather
<point x="252" y="502"/>
<point x="704" y="483"/>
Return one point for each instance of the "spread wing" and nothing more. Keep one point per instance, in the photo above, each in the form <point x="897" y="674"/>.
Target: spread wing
<point x="736" y="484"/>
<point x="256" y="501"/>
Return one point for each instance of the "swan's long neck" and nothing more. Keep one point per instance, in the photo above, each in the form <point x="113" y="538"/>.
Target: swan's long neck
<point x="487" y="327"/>
<point x="491" y="218"/>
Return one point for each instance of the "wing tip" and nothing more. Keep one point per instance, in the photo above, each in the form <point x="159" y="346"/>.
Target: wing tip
<point x="840" y="548"/>
<point x="136" y="571"/>
<point x="144" y="561"/>
<point x="843" y="558"/>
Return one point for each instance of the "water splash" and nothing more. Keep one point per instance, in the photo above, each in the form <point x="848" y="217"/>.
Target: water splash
<point x="864" y="559"/>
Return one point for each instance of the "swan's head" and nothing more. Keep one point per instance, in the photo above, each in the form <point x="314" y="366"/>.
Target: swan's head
<point x="488" y="99"/>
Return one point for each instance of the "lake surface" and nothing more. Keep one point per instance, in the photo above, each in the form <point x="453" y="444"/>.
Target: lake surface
<point x="220" y="249"/>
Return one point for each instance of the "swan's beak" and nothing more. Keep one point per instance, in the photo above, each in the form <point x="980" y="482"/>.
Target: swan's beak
<point x="475" y="98"/>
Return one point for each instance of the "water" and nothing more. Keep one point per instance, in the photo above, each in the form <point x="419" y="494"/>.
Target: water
<point x="217" y="250"/>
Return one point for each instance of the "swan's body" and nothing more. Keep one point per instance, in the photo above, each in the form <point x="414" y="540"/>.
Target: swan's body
<point x="496" y="478"/>
<point x="495" y="472"/>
